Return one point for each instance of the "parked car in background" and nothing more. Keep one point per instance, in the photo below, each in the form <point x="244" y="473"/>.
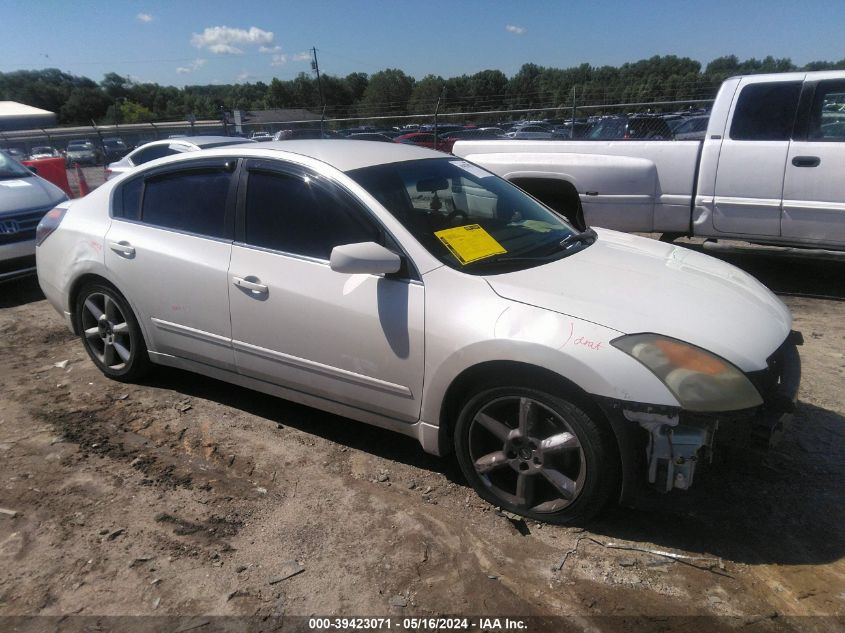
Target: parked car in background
<point x="158" y="149"/>
<point x="24" y="199"/>
<point x="114" y="148"/>
<point x="260" y="137"/>
<point x="568" y="129"/>
<point x="449" y="138"/>
<point x="526" y="132"/>
<point x="692" y="128"/>
<point x="81" y="152"/>
<point x="421" y="293"/>
<point x="304" y="133"/>
<point x="638" y="126"/>
<point x="44" y="151"/>
<point x="370" y="136"/>
<point x="14" y="152"/>
<point x="423" y="139"/>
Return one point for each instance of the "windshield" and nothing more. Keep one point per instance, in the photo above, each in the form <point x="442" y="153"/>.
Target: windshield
<point x="80" y="147"/>
<point x="467" y="217"/>
<point x="10" y="168"/>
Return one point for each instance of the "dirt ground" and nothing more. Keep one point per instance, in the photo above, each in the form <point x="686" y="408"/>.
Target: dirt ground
<point x="185" y="495"/>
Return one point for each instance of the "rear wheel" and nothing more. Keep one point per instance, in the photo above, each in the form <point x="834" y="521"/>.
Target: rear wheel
<point x="110" y="333"/>
<point x="536" y="455"/>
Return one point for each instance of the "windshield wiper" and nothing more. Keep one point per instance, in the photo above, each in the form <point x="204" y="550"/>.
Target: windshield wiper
<point x="587" y="236"/>
<point x="504" y="259"/>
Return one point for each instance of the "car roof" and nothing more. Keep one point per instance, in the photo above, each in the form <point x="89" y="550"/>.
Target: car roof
<point x="344" y="154"/>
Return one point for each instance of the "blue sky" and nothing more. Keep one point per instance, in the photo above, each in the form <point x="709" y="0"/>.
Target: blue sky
<point x="196" y="42"/>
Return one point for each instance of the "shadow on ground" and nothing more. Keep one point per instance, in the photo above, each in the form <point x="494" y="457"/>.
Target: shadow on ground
<point x="20" y="291"/>
<point x="335" y="428"/>
<point x="785" y="274"/>
<point x="786" y="507"/>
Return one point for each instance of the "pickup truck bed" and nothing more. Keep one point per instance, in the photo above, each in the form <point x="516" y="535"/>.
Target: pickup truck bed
<point x="625" y="185"/>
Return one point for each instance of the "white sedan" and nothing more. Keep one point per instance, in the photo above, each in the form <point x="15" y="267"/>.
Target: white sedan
<point x="418" y="292"/>
<point x="158" y="149"/>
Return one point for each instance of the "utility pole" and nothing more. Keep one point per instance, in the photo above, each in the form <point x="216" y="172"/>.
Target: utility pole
<point x="316" y="68"/>
<point x="442" y="97"/>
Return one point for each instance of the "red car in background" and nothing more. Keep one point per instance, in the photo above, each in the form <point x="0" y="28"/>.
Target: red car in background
<point x="423" y="139"/>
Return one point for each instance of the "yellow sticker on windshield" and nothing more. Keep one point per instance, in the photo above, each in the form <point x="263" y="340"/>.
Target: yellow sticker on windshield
<point x="469" y="243"/>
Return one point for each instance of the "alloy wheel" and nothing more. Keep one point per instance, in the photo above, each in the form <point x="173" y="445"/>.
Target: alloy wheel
<point x="106" y="331"/>
<point x="527" y="454"/>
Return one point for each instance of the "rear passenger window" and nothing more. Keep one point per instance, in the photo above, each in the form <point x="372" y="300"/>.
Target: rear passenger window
<point x="766" y="112"/>
<point x="127" y="201"/>
<point x="151" y="153"/>
<point x="193" y="201"/>
<point x="827" y="117"/>
<point x="300" y="215"/>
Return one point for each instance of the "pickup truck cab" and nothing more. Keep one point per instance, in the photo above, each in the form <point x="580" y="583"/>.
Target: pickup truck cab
<point x="769" y="169"/>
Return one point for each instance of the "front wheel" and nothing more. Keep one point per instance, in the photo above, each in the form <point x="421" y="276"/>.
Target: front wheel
<point x="536" y="455"/>
<point x="110" y="333"/>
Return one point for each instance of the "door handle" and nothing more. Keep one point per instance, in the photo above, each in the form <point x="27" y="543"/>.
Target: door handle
<point x="252" y="286"/>
<point x="123" y="248"/>
<point x="806" y="161"/>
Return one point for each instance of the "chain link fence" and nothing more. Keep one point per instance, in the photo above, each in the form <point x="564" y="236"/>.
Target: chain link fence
<point x="657" y="120"/>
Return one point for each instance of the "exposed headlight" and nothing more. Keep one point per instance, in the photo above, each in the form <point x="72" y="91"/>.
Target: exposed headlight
<point x="701" y="381"/>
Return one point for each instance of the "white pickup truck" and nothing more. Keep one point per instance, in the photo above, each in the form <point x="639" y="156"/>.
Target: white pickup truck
<point x="770" y="170"/>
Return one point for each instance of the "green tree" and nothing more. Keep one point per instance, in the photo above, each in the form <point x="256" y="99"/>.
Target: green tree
<point x="425" y="94"/>
<point x="84" y="105"/>
<point x="387" y="93"/>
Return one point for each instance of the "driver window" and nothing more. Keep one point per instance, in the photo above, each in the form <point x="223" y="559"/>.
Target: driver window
<point x="300" y="215"/>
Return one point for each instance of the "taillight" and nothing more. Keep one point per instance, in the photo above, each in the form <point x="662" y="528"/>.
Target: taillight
<point x="49" y="223"/>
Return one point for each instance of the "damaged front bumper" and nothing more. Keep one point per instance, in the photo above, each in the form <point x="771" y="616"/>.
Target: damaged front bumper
<point x="664" y="445"/>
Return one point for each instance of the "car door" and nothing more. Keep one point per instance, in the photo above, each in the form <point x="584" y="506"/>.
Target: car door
<point x="814" y="187"/>
<point x="353" y="339"/>
<point x="168" y="250"/>
<point x="749" y="176"/>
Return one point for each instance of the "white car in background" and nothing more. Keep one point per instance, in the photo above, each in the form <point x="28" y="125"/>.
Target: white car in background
<point x="159" y="149"/>
<point x="418" y="292"/>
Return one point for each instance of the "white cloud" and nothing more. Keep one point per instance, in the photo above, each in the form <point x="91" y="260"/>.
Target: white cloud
<point x="270" y="49"/>
<point x="146" y="18"/>
<point x="222" y="39"/>
<point x="243" y="76"/>
<point x="194" y="65"/>
<point x="225" y="49"/>
<point x="516" y="30"/>
<point x="302" y="57"/>
<point x="279" y="60"/>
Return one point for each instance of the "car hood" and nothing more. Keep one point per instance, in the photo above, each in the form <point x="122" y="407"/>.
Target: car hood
<point x="634" y="284"/>
<point x="25" y="194"/>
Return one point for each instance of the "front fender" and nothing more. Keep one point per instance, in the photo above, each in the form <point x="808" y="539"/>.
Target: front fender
<point x="574" y="349"/>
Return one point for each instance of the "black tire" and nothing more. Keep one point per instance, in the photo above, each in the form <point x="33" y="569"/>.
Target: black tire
<point x="113" y="340"/>
<point x="669" y="238"/>
<point x="586" y="465"/>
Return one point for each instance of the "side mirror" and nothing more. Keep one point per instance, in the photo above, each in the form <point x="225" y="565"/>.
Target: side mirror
<point x="366" y="258"/>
